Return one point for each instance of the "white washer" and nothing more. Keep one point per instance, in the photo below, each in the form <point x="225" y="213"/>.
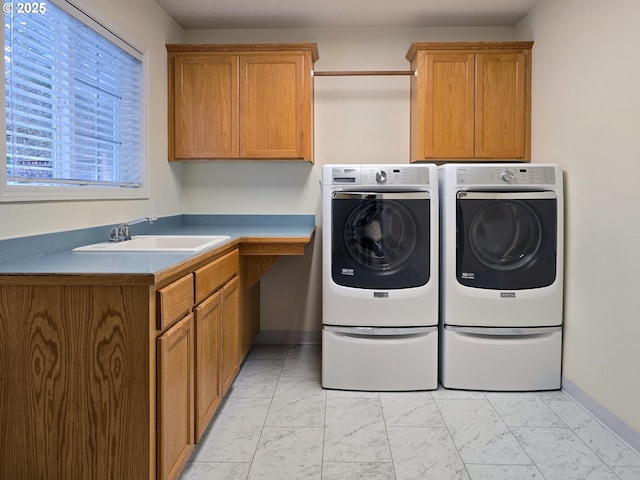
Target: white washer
<point x="380" y="277"/>
<point x="501" y="276"/>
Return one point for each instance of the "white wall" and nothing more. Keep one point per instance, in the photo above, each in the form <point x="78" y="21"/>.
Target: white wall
<point x="586" y="116"/>
<point x="146" y="21"/>
<point x="357" y="120"/>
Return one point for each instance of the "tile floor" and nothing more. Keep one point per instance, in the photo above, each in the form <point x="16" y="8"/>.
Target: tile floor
<point x="277" y="423"/>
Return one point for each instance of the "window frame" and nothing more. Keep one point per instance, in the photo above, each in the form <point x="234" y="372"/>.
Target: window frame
<point x="96" y="20"/>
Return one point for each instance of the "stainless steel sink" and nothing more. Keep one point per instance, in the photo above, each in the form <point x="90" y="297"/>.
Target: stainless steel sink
<point x="158" y="243"/>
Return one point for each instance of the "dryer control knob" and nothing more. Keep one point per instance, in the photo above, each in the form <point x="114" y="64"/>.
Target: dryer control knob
<point x="508" y="176"/>
<point x="381" y="176"/>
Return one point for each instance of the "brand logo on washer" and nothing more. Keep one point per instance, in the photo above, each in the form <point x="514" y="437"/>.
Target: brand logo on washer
<point x="380" y="294"/>
<point x="507" y="294"/>
<point x="348" y="271"/>
<point x="469" y="275"/>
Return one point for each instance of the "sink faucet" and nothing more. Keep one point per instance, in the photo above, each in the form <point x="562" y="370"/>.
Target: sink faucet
<point x="121" y="233"/>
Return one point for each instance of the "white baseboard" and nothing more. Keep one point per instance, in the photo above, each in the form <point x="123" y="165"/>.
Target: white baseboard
<point x="623" y="430"/>
<point x="285" y="337"/>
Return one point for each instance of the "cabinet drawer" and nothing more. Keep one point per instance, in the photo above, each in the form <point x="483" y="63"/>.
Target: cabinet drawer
<point x="212" y="276"/>
<point x="174" y="301"/>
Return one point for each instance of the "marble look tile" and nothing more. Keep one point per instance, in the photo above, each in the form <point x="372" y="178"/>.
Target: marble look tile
<point x="479" y="433"/>
<point x="268" y="351"/>
<point x="288" y="453"/>
<point x="351" y="394"/>
<point x="410" y="409"/>
<point x="627" y="473"/>
<point x="234" y="431"/>
<point x="504" y="472"/>
<point x="298" y="402"/>
<point x="605" y="444"/>
<point x="357" y="471"/>
<point x="553" y="395"/>
<point x="256" y="379"/>
<point x="303" y="361"/>
<point x="425" y="453"/>
<point x="355" y="431"/>
<point x="523" y="410"/>
<point x="216" y="471"/>
<point x="444" y="393"/>
<point x="560" y="455"/>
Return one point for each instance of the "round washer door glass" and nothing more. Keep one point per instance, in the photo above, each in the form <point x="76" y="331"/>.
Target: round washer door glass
<point x="380" y="235"/>
<point x="505" y="235"/>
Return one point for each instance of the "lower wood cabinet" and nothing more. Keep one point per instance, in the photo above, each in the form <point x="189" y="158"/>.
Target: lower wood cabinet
<point x="117" y="376"/>
<point x="175" y="398"/>
<point x="230" y="360"/>
<point x="208" y="394"/>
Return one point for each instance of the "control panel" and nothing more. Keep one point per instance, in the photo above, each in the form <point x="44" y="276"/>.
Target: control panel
<point x="525" y="175"/>
<point x="371" y="175"/>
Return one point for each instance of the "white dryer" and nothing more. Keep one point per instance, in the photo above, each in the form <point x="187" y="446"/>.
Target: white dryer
<point x="380" y="277"/>
<point x="501" y="276"/>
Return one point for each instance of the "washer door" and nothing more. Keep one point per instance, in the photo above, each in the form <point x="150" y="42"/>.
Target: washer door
<point x="380" y="240"/>
<point x="506" y="241"/>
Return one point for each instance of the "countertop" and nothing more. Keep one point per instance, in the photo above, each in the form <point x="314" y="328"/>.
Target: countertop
<point x="242" y="230"/>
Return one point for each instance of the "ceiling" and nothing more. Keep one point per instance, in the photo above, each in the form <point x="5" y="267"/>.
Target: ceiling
<point x="205" y="14"/>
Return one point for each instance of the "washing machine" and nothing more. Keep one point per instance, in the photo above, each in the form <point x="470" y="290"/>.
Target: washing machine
<point x="380" y="277"/>
<point x="501" y="276"/>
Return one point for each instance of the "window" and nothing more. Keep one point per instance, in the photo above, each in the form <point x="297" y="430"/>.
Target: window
<point x="74" y="99"/>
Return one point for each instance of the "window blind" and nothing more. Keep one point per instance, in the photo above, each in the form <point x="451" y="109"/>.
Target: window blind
<point x="74" y="104"/>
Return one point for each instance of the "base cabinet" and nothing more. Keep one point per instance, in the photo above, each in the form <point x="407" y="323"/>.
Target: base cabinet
<point x="208" y="393"/>
<point x="175" y="398"/>
<point x="230" y="358"/>
<point x="108" y="376"/>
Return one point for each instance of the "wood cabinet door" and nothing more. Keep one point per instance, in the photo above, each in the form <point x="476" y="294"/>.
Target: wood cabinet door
<point x="502" y="116"/>
<point x="448" y="103"/>
<point x="205" y="102"/>
<point x="229" y="333"/>
<point x="208" y="386"/>
<point x="275" y="106"/>
<point x="175" y="398"/>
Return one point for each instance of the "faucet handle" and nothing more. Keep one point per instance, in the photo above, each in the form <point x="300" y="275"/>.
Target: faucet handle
<point x="123" y="232"/>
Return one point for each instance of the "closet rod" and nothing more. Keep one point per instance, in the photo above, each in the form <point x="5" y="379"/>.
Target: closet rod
<point x="362" y="73"/>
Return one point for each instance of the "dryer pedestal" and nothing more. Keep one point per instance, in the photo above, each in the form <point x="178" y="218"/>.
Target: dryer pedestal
<point x="471" y="361"/>
<point x="380" y="362"/>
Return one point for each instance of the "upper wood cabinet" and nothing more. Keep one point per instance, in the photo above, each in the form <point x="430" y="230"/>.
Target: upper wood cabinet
<point x="244" y="101"/>
<point x="471" y="101"/>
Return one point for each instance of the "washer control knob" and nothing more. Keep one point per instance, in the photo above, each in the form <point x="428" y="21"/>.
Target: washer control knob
<point x="381" y="176"/>
<point x="508" y="176"/>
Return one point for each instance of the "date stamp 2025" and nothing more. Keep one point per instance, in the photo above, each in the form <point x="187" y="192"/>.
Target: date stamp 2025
<point x="25" y="7"/>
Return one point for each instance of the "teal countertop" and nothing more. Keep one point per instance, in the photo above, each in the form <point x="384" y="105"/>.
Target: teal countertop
<point x="52" y="254"/>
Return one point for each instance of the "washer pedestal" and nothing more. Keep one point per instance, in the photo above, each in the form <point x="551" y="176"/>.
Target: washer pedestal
<point x="470" y="361"/>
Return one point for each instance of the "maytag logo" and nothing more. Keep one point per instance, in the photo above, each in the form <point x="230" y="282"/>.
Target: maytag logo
<point x="380" y="294"/>
<point x="507" y="294"/>
<point x="348" y="271"/>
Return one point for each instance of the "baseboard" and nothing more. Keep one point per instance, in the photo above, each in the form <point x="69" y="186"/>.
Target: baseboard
<point x="623" y="430"/>
<point x="288" y="337"/>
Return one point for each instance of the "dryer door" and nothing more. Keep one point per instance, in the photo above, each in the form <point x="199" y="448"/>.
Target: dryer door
<point x="506" y="240"/>
<point x="380" y="240"/>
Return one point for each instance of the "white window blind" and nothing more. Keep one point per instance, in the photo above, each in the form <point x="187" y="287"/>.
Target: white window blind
<point x="74" y="102"/>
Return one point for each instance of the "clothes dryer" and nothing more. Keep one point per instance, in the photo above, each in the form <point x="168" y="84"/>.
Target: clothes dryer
<point x="380" y="277"/>
<point x="501" y="276"/>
